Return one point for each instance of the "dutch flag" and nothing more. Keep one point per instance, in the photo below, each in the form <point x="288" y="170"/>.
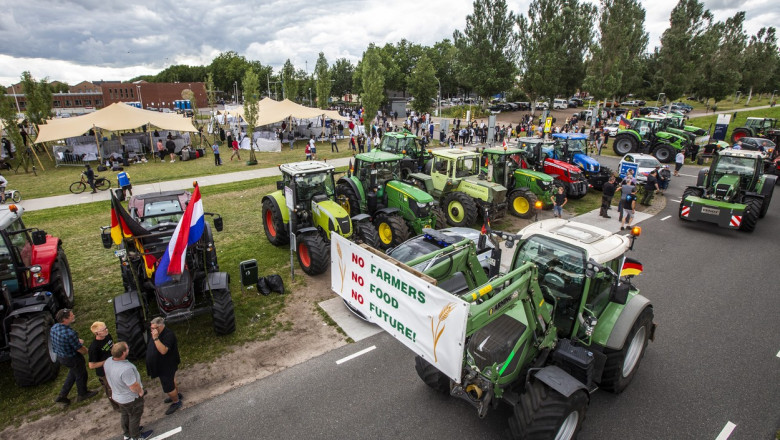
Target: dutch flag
<point x="188" y="231"/>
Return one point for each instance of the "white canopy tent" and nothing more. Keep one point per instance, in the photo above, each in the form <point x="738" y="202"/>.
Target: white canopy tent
<point x="271" y="112"/>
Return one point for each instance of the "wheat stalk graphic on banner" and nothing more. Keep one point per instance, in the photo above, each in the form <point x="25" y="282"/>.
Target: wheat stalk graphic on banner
<point x="437" y="332"/>
<point x="342" y="268"/>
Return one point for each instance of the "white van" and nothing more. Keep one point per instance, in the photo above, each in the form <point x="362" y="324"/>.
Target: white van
<point x="560" y="104"/>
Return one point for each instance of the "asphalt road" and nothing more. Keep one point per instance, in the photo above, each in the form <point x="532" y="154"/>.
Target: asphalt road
<point x="715" y="361"/>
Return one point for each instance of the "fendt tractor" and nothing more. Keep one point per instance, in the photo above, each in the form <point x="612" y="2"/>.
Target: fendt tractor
<point x="537" y="154"/>
<point x="525" y="186"/>
<point x="645" y="135"/>
<point x="35" y="282"/>
<point x="395" y="207"/>
<point x="573" y="148"/>
<point x="416" y="158"/>
<point x="733" y="193"/>
<point x="564" y="321"/>
<point x="200" y="289"/>
<point x="758" y="127"/>
<point x="455" y="181"/>
<point x="312" y="194"/>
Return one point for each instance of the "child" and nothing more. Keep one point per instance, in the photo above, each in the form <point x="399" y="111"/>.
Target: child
<point x="308" y="151"/>
<point x="312" y="148"/>
<point x="559" y="200"/>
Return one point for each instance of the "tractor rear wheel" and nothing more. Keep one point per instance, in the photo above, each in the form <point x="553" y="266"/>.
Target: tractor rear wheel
<point x="624" y="144"/>
<point x="621" y="365"/>
<point x="61" y="282"/>
<point x="392" y="230"/>
<point x="521" y="203"/>
<point x="347" y="198"/>
<point x="441" y="218"/>
<point x="739" y="133"/>
<point x="695" y="192"/>
<point x="544" y="413"/>
<point x="32" y="359"/>
<point x="664" y="153"/>
<point x="222" y="315"/>
<point x="130" y="328"/>
<point x="751" y="215"/>
<point x="273" y="223"/>
<point x="431" y="375"/>
<point x="461" y="210"/>
<point x="367" y="234"/>
<point x="313" y="254"/>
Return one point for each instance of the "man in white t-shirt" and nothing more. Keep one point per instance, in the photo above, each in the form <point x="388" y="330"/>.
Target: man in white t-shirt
<point x="127" y="390"/>
<point x="679" y="160"/>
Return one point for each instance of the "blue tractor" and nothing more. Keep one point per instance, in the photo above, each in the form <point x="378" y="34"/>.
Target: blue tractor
<point x="573" y="148"/>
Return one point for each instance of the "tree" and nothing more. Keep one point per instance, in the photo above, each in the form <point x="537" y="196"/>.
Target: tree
<point x="614" y="68"/>
<point x="373" y="83"/>
<point x="323" y="81"/>
<point x="554" y="38"/>
<point x="487" y="48"/>
<point x="289" y="81"/>
<point x="38" y="97"/>
<point x="762" y="62"/>
<point x="251" y="110"/>
<point x="9" y="119"/>
<point x="342" y="72"/>
<point x="682" y="48"/>
<point x="227" y="68"/>
<point x="720" y="70"/>
<point x="211" y="94"/>
<point x="442" y="56"/>
<point x="423" y="85"/>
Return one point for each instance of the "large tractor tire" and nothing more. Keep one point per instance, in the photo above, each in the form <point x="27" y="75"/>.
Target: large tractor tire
<point x="544" y="413"/>
<point x="624" y="144"/>
<point x="222" y="314"/>
<point x="664" y="153"/>
<point x="769" y="189"/>
<point x="460" y="209"/>
<point x="431" y="375"/>
<point x="521" y="203"/>
<point x="441" y="218"/>
<point x="61" y="282"/>
<point x="313" y="254"/>
<point x="739" y="133"/>
<point x="130" y="328"/>
<point x="348" y="199"/>
<point x="32" y="359"/>
<point x="751" y="215"/>
<point x="392" y="230"/>
<point x="696" y="192"/>
<point x="621" y="365"/>
<point x="273" y="223"/>
<point x="366" y="232"/>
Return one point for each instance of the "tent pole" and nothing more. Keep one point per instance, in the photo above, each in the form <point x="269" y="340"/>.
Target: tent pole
<point x="151" y="140"/>
<point x="37" y="158"/>
<point x="46" y="149"/>
<point x="100" y="153"/>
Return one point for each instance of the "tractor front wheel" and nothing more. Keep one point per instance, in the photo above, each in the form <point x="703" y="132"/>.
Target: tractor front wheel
<point x="32" y="358"/>
<point x="521" y="203"/>
<point x="751" y="215"/>
<point x="222" y="315"/>
<point x="695" y="192"/>
<point x="367" y="234"/>
<point x="347" y="198"/>
<point x="431" y="375"/>
<point x="461" y="210"/>
<point x="130" y="328"/>
<point x="544" y="413"/>
<point x="392" y="230"/>
<point x="664" y="153"/>
<point x="273" y="223"/>
<point x="441" y="218"/>
<point x="621" y="365"/>
<point x="624" y="144"/>
<point x="313" y="254"/>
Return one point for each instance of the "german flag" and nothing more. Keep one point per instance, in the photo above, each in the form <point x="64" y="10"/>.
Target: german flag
<point x="122" y="225"/>
<point x="631" y="268"/>
<point x="624" y="124"/>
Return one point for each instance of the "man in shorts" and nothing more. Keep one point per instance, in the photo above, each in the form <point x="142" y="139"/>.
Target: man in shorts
<point x="162" y="360"/>
<point x="629" y="210"/>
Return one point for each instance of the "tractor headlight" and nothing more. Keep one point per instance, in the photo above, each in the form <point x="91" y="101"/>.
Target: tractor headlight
<point x="420" y="209"/>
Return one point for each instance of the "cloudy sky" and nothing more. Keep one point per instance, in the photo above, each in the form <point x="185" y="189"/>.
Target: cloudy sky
<point x="115" y="40"/>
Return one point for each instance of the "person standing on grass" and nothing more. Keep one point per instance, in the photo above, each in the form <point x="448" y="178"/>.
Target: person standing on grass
<point x="679" y="160"/>
<point x="215" y="150"/>
<point x="160" y="150"/>
<point x="70" y="351"/>
<point x="559" y="200"/>
<point x="235" y="153"/>
<point x="128" y="391"/>
<point x="162" y="360"/>
<point x="312" y="147"/>
<point x="100" y="350"/>
<point x="171" y="147"/>
<point x="290" y="138"/>
<point x="307" y="150"/>
<point x="334" y="148"/>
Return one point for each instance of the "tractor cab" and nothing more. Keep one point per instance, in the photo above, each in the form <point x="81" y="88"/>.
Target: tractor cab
<point x="573" y="148"/>
<point x="376" y="168"/>
<point x="644" y="127"/>
<point x="314" y="192"/>
<point x="414" y="153"/>
<point x="159" y="211"/>
<point x="539" y="155"/>
<point x="498" y="165"/>
<point x="733" y="172"/>
<point x="19" y="247"/>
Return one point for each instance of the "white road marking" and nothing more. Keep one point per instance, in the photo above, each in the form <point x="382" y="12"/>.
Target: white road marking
<point x="726" y="432"/>
<point x="167" y="434"/>
<point x="668" y="216"/>
<point x="677" y="201"/>
<point x="353" y="356"/>
<point x="778" y="354"/>
<point x="686" y="175"/>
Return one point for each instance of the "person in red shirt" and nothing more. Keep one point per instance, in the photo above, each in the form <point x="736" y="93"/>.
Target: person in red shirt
<point x="235" y="150"/>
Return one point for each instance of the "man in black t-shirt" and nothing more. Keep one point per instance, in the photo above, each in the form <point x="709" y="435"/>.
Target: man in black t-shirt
<point x="100" y="350"/>
<point x="651" y="186"/>
<point x="162" y="360"/>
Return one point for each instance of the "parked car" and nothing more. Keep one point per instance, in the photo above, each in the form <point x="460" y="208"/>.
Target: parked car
<point x="612" y="129"/>
<point x="753" y="143"/>
<point x="577" y="101"/>
<point x="645" y="163"/>
<point x="560" y="104"/>
<point x="685" y="107"/>
<point x="631" y="103"/>
<point x="647" y="110"/>
<point x="523" y="105"/>
<point x="541" y="105"/>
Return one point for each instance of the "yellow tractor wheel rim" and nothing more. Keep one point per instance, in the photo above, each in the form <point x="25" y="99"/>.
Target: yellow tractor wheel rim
<point x="385" y="233"/>
<point x="456" y="211"/>
<point x="521" y="205"/>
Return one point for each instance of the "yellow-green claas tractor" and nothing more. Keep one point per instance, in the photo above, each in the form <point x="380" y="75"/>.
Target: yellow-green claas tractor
<point x="315" y="215"/>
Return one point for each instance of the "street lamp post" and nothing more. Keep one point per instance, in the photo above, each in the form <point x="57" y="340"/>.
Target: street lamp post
<point x="310" y="102"/>
<point x="235" y="91"/>
<point x="438" y="100"/>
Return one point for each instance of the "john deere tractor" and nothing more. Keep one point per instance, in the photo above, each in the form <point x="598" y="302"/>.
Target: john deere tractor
<point x="572" y="148"/>
<point x="734" y="193"/>
<point x="315" y="215"/>
<point x="415" y="156"/>
<point x="758" y="127"/>
<point x="525" y="186"/>
<point x="395" y="207"/>
<point x="645" y="135"/>
<point x="455" y="181"/>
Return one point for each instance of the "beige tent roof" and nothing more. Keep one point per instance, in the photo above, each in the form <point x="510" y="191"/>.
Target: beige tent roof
<point x="117" y="116"/>
<point x="271" y="111"/>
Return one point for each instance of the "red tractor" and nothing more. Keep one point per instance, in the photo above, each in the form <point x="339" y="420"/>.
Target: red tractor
<point x="537" y="155"/>
<point x="35" y="282"/>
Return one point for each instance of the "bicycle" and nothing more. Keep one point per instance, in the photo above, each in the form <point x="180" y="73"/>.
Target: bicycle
<point x="79" y="187"/>
<point x="14" y="195"/>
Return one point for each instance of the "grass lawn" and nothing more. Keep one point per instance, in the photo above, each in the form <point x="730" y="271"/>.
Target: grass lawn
<point x="728" y="103"/>
<point x="56" y="180"/>
<point x="739" y="121"/>
<point x="96" y="279"/>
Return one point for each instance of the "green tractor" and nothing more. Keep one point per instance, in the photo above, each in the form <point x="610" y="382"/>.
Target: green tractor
<point x="415" y="156"/>
<point x="733" y="193"/>
<point x="317" y="215"/>
<point x="541" y="338"/>
<point x="645" y="135"/>
<point x="757" y="127"/>
<point x="455" y="181"/>
<point x="525" y="186"/>
<point x="395" y="207"/>
<point x="675" y="123"/>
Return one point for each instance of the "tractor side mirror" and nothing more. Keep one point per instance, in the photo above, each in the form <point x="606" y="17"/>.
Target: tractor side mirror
<point x="218" y="223"/>
<point x="38" y="237"/>
<point x="280" y="185"/>
<point x="105" y="237"/>
<point x="619" y="293"/>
